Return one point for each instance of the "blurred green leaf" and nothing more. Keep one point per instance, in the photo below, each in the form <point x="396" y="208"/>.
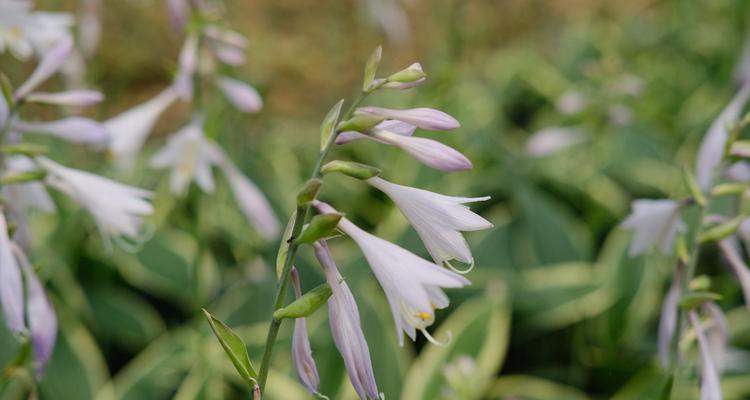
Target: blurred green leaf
<point x="235" y="349"/>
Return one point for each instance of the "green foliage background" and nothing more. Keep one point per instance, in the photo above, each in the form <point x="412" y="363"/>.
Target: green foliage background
<point x="557" y="309"/>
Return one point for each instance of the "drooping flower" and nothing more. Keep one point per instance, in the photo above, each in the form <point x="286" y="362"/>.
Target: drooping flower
<point x="190" y="157"/>
<point x="393" y="126"/>
<point x="118" y="209"/>
<point x="129" y="130"/>
<point x="187" y="64"/>
<point x="90" y="26"/>
<point x="26" y="32"/>
<point x="227" y="45"/>
<point x="731" y="252"/>
<point x="28" y="195"/>
<point x="249" y="198"/>
<point x="552" y="140"/>
<point x="668" y="320"/>
<point x="412" y="285"/>
<point x="242" y="96"/>
<point x="425" y="118"/>
<point x="655" y="222"/>
<point x="11" y="284"/>
<point x="346" y="329"/>
<point x="73" y="129"/>
<point x="711" y="150"/>
<point x="69" y="98"/>
<point x="178" y="13"/>
<point x="301" y="351"/>
<point x="710" y="386"/>
<point x="47" y="67"/>
<point x="438" y="219"/>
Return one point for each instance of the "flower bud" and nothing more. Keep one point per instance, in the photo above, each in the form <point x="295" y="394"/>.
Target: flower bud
<point x="407" y="78"/>
<point x="353" y="169"/>
<point x="320" y="227"/>
<point x="328" y="126"/>
<point x="425" y="118"/>
<point x="721" y="231"/>
<point x="306" y="304"/>
<point x="309" y="192"/>
<point x="361" y="123"/>
<point x="371" y="68"/>
<point x="23" y="177"/>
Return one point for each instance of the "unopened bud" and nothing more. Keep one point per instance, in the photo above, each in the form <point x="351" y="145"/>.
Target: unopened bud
<point x="309" y="192"/>
<point x="409" y="77"/>
<point x="361" y="123"/>
<point x="306" y="304"/>
<point x="320" y="227"/>
<point x="353" y="169"/>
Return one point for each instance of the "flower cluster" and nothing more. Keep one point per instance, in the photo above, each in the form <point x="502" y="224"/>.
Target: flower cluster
<point x="118" y="209"/>
<point x="189" y="153"/>
<point x="721" y="172"/>
<point x="413" y="286"/>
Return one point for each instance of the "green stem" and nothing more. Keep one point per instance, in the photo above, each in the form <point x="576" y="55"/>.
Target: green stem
<point x="299" y="221"/>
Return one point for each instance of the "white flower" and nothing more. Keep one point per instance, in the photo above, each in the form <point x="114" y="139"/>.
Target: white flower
<point x="552" y="140"/>
<point x="711" y="151"/>
<point x="72" y="129"/>
<point x="129" y="130"/>
<point x="710" y="385"/>
<point x="655" y="222"/>
<point x="29" y="195"/>
<point x="438" y="219"/>
<point x="412" y="285"/>
<point x="189" y="155"/>
<point x="11" y="289"/>
<point x="117" y="208"/>
<point x="242" y="96"/>
<point x="25" y="32"/>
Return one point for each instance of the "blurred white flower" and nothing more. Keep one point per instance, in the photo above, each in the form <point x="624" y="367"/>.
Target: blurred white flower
<point x="118" y="209"/>
<point x="242" y="96"/>
<point x="549" y="141"/>
<point x="11" y="283"/>
<point x="438" y="219"/>
<point x="48" y="66"/>
<point x="68" y="98"/>
<point x="190" y="157"/>
<point x="90" y="26"/>
<point x="412" y="285"/>
<point x="668" y="320"/>
<point x="73" y="129"/>
<point x="187" y="64"/>
<point x="129" y="130"/>
<point x="304" y="363"/>
<point x="710" y="386"/>
<point x="29" y="195"/>
<point x="392" y="18"/>
<point x="26" y="32"/>
<point x="655" y="222"/>
<point x="571" y="102"/>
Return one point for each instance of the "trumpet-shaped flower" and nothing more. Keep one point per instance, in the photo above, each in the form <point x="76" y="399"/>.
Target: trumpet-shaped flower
<point x="73" y="129"/>
<point x="117" y="208"/>
<point x="301" y="351"/>
<point x="430" y="152"/>
<point x="189" y="155"/>
<point x="425" y="118"/>
<point x="438" y="219"/>
<point x="47" y="67"/>
<point x="397" y="127"/>
<point x="655" y="222"/>
<point x="412" y="285"/>
<point x="25" y="32"/>
<point x="346" y="329"/>
<point x="242" y="96"/>
<point x="28" y="195"/>
<point x="11" y="289"/>
<point x="129" y="130"/>
<point x="188" y="62"/>
<point x="80" y="98"/>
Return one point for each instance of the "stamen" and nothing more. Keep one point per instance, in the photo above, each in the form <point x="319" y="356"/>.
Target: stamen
<point x="460" y="271"/>
<point x="424" y="315"/>
<point x="434" y="341"/>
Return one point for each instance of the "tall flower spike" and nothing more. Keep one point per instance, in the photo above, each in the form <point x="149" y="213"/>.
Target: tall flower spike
<point x="118" y="209"/>
<point x="710" y="386"/>
<point x="438" y="219"/>
<point x="301" y="351"/>
<point x="129" y="130"/>
<point x="655" y="222"/>
<point x="412" y="285"/>
<point x="11" y="284"/>
<point x="711" y="151"/>
<point x="188" y="153"/>
<point x="346" y="329"/>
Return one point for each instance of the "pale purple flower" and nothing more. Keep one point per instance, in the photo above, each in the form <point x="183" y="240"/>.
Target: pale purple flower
<point x="655" y="223"/>
<point x="187" y="64"/>
<point x="118" y="209"/>
<point x="438" y="219"/>
<point x="549" y="141"/>
<point x="228" y="36"/>
<point x="425" y="118"/>
<point x="227" y="45"/>
<point x="249" y="198"/>
<point x="190" y="157"/>
<point x="571" y="102"/>
<point x="47" y="67"/>
<point x="397" y="127"/>
<point x="430" y="152"/>
<point x="90" y="26"/>
<point x="717" y="335"/>
<point x="73" y="129"/>
<point x="242" y="96"/>
<point x="668" y="320"/>
<point x="412" y="285"/>
<point x="346" y="329"/>
<point x="11" y="284"/>
<point x="730" y="250"/>
<point x="711" y="150"/>
<point x="301" y="351"/>
<point x="227" y="54"/>
<point x="710" y="386"/>
<point x="739" y="171"/>
<point x="42" y="317"/>
<point x="392" y="18"/>
<point x="68" y="98"/>
<point x="29" y="195"/>
<point x="26" y="32"/>
<point x="4" y="111"/>
<point x="178" y="13"/>
<point x="129" y="130"/>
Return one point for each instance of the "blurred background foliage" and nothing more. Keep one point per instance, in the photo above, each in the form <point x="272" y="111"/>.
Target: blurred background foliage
<point x="557" y="309"/>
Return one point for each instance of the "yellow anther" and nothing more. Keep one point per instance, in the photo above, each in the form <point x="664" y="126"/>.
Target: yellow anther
<point x="424" y="315"/>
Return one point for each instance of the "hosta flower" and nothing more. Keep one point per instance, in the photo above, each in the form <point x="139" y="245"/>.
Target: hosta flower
<point x="227" y="45"/>
<point x="412" y="285"/>
<point x="732" y="254"/>
<point x="655" y="222"/>
<point x="48" y="66"/>
<point x="301" y="351"/>
<point x="29" y="195"/>
<point x="188" y="62"/>
<point x="710" y="386"/>
<point x="552" y="140"/>
<point x="397" y="127"/>
<point x="73" y="129"/>
<point x="438" y="219"/>
<point x="25" y="32"/>
<point x="11" y="289"/>
<point x="346" y="329"/>
<point x="242" y="96"/>
<point x="129" y="130"/>
<point x="117" y="208"/>
<point x="190" y="157"/>
<point x="668" y="320"/>
<point x="711" y="151"/>
<point x="425" y="118"/>
<point x="70" y="98"/>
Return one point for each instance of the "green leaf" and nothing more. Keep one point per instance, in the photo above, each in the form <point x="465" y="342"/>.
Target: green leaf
<point x="23" y="177"/>
<point x="480" y="331"/>
<point x="25" y="149"/>
<point x="371" y="68"/>
<point x="693" y="188"/>
<point x="321" y="226"/>
<point x="284" y="245"/>
<point x="721" y="231"/>
<point x="695" y="299"/>
<point x="235" y="349"/>
<point x="532" y="388"/>
<point x="306" y="304"/>
<point x="329" y="123"/>
<point x="728" y="189"/>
